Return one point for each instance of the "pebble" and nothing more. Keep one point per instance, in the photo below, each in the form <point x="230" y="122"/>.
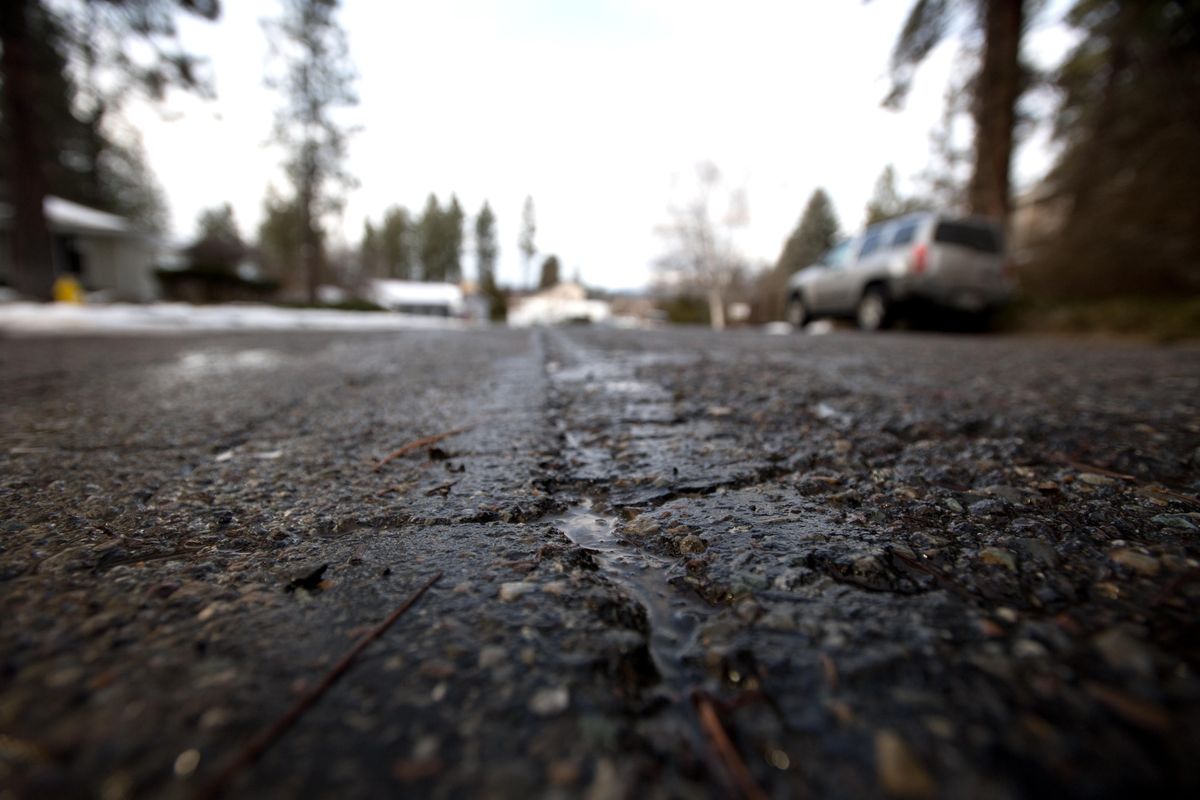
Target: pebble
<point x="1092" y="479"/>
<point x="1124" y="653"/>
<point x="984" y="508"/>
<point x="1182" y="522"/>
<point x="1038" y="550"/>
<point x="516" y="589"/>
<point x="547" y="702"/>
<point x="186" y="762"/>
<point x="1028" y="648"/>
<point x="1138" y="562"/>
<point x="998" y="557"/>
<point x="747" y="610"/>
<point x="643" y="525"/>
<point x="1010" y="493"/>
<point x="899" y="771"/>
<point x="492" y="657"/>
<point x="692" y="544"/>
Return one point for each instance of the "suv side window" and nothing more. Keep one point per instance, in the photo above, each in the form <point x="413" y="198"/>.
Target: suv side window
<point x="872" y="242"/>
<point x="836" y="258"/>
<point x="905" y="234"/>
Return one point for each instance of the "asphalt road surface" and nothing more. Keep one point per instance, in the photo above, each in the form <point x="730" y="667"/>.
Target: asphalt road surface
<point x="672" y="564"/>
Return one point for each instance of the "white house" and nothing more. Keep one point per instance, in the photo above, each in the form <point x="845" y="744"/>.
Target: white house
<point x="418" y="297"/>
<point x="102" y="250"/>
<point x="565" y="302"/>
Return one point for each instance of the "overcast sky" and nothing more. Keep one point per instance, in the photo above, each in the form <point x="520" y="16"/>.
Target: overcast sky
<point x="595" y="108"/>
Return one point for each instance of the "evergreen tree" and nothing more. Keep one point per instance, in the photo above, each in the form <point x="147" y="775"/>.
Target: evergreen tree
<point x="1129" y="123"/>
<point x="487" y="251"/>
<point x="104" y="51"/>
<point x="396" y="244"/>
<point x="431" y="235"/>
<point x="281" y="237"/>
<point x="218" y="223"/>
<point x="316" y="79"/>
<point x="550" y="270"/>
<point x="526" y="244"/>
<point x="996" y="87"/>
<point x="454" y="221"/>
<point x="816" y="232"/>
<point x="370" y="256"/>
<point x="886" y="201"/>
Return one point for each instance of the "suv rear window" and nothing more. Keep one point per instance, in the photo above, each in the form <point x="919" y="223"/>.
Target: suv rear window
<point x="905" y="234"/>
<point x="974" y="237"/>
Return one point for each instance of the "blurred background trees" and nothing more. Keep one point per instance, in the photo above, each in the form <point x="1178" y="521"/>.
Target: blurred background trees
<point x="701" y="253"/>
<point x="995" y="87"/>
<point x="487" y="252"/>
<point x="1125" y="185"/>
<point x="886" y="201"/>
<point x="316" y="80"/>
<point x="550" y="273"/>
<point x="67" y="68"/>
<point x="526" y="244"/>
<point x="816" y="232"/>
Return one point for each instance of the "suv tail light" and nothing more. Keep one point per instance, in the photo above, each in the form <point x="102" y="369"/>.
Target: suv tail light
<point x="920" y="256"/>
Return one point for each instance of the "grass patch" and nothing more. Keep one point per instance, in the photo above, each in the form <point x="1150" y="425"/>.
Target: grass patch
<point x="1161" y="319"/>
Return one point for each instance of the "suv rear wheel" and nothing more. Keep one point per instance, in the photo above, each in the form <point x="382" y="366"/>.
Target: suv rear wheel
<point x="797" y="312"/>
<point x="872" y="311"/>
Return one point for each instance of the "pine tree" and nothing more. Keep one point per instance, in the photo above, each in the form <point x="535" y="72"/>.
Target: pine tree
<point x="396" y="244"/>
<point x="526" y="244"/>
<point x="105" y="46"/>
<point x="281" y="237"/>
<point x="487" y="251"/>
<point x="816" y="232"/>
<point x="453" y="221"/>
<point x="370" y="256"/>
<point x="550" y="270"/>
<point x="1129" y="123"/>
<point x="886" y="201"/>
<point x="219" y="223"/>
<point x="317" y="78"/>
<point x="996" y="88"/>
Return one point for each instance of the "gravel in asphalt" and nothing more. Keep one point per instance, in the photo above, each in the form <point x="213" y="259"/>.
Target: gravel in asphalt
<point x="673" y="563"/>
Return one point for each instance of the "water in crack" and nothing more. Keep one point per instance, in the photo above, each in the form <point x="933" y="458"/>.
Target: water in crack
<point x="672" y="616"/>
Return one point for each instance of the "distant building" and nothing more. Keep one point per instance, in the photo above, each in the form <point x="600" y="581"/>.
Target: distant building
<point x="418" y="297"/>
<point x="103" y="251"/>
<point x="563" y="303"/>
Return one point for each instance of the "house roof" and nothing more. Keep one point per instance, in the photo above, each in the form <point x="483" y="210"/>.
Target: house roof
<point x="64" y="216"/>
<point x="415" y="293"/>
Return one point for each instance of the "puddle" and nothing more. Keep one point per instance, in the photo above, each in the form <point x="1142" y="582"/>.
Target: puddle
<point x="209" y="362"/>
<point x="673" y="616"/>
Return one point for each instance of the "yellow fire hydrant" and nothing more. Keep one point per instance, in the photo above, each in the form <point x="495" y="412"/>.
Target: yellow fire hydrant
<point x="68" y="290"/>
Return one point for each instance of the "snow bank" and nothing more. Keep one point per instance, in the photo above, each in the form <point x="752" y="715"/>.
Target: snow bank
<point x="18" y="319"/>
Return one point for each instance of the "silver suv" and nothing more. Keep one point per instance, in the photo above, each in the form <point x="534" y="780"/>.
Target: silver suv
<point x="925" y="259"/>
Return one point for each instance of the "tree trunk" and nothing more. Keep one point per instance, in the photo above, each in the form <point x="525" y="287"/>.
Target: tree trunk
<point x="310" y="244"/>
<point x="33" y="261"/>
<point x="716" y="310"/>
<point x="996" y="108"/>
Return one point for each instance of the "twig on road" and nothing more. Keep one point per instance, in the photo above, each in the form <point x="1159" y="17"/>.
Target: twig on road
<point x="729" y="755"/>
<point x="259" y="744"/>
<point x="417" y="444"/>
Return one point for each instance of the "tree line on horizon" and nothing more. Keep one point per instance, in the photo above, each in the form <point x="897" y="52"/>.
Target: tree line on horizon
<point x="1125" y="116"/>
<point x="1114" y="215"/>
